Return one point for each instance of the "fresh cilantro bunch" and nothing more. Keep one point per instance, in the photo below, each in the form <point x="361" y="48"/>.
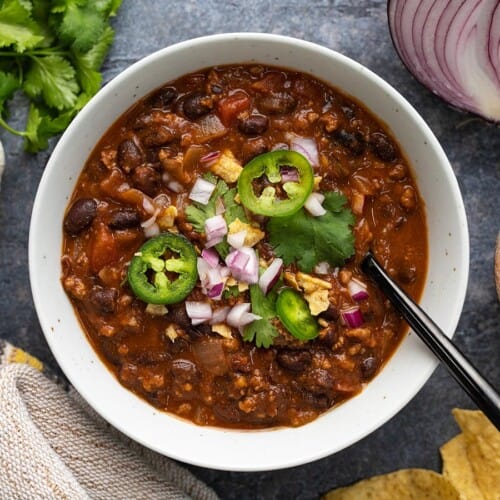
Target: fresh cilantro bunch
<point x="309" y="240"/>
<point x="52" y="50"/>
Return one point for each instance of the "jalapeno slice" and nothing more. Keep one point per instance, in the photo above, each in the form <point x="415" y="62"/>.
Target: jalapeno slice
<point x="164" y="270"/>
<point x="293" y="311"/>
<point x="284" y="194"/>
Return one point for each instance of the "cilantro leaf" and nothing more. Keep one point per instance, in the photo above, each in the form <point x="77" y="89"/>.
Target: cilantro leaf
<point x="17" y="28"/>
<point x="88" y="63"/>
<point x="55" y="79"/>
<point x="81" y="23"/>
<point x="315" y="239"/>
<point x="9" y="83"/>
<point x="262" y="331"/>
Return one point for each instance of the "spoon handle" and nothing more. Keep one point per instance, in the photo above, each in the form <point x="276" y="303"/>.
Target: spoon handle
<point x="478" y="388"/>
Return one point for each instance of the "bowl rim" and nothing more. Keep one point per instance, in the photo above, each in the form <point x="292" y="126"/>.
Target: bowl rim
<point x="287" y="459"/>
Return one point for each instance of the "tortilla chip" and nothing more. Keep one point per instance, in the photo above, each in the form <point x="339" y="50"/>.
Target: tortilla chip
<point x="457" y="468"/>
<point x="483" y="450"/>
<point x="407" y="484"/>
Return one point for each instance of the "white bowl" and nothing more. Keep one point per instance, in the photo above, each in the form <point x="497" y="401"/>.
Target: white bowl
<point x="338" y="428"/>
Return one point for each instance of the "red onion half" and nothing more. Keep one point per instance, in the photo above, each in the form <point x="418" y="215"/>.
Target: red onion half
<point x="453" y="48"/>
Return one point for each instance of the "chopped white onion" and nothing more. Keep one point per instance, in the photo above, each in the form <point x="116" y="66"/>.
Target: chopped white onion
<point x="322" y="268"/>
<point x="201" y="191"/>
<point x="152" y="230"/>
<point x="271" y="275"/>
<point x="149" y="222"/>
<point x="314" y="205"/>
<point x="175" y="186"/>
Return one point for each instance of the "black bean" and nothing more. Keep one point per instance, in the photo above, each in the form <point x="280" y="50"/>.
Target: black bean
<point x="226" y="412"/>
<point x="147" y="180"/>
<point x="319" y="381"/>
<point x="295" y="361"/>
<point x="80" y="215"/>
<point x="279" y="103"/>
<point x="165" y="96"/>
<point x="331" y="314"/>
<point x="124" y="218"/>
<point x="369" y="367"/>
<point x="354" y="142"/>
<point x="196" y="104"/>
<point x="178" y="316"/>
<point x="103" y="298"/>
<point x="383" y="147"/>
<point x="253" y="148"/>
<point x="253" y="125"/>
<point x="129" y="156"/>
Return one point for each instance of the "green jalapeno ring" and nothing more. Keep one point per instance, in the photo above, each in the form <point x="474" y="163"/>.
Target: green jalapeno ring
<point x="293" y="311"/>
<point x="149" y="260"/>
<point x="269" y="164"/>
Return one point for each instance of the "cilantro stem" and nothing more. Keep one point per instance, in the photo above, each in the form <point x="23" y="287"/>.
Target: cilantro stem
<point x="6" y="126"/>
<point x="36" y="53"/>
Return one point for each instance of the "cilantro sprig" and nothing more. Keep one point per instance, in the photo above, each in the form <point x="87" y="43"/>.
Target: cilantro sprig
<point x="262" y="331"/>
<point x="197" y="213"/>
<point x="52" y="50"/>
<point x="309" y="240"/>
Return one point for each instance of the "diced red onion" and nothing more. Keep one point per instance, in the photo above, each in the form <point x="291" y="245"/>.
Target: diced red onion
<point x="314" y="205"/>
<point x="237" y="261"/>
<point x="248" y="272"/>
<point x="215" y="230"/>
<point x="175" y="186"/>
<point x="271" y="275"/>
<point x="215" y="291"/>
<point x="289" y="174"/>
<point x="306" y="147"/>
<point x="152" y="230"/>
<point x="219" y="315"/>
<point x="322" y="268"/>
<point x="237" y="240"/>
<point x="239" y="315"/>
<point x="453" y="49"/>
<point x="201" y="191"/>
<point x="210" y="158"/>
<point x="211" y="256"/>
<point x="352" y="317"/>
<point x="198" y="312"/>
<point x="357" y="289"/>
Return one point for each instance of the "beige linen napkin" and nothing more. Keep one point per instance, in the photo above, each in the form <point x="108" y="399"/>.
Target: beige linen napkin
<point x="53" y="445"/>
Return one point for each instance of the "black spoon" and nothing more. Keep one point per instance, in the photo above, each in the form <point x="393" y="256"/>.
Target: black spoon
<point x="476" y="386"/>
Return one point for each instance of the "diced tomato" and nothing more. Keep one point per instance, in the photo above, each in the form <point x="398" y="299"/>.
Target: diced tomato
<point x="103" y="248"/>
<point x="230" y="107"/>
